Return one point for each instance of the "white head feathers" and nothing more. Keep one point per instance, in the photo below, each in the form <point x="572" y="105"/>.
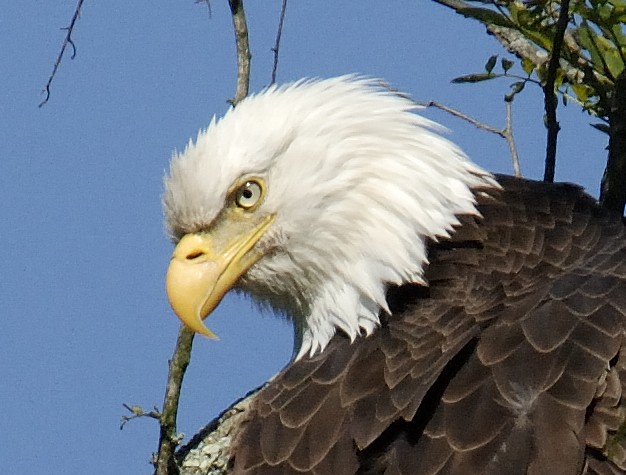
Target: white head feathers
<point x="358" y="183"/>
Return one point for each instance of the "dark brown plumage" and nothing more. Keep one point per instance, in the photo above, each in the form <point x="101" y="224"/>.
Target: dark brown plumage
<point x="511" y="361"/>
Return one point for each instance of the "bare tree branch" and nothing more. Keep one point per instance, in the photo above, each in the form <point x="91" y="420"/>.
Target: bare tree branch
<point x="476" y="123"/>
<point x="168" y="438"/>
<point x="279" y="33"/>
<point x="243" y="50"/>
<point x="66" y="41"/>
<point x="550" y="99"/>
<point x="168" y="441"/>
<point x="506" y="133"/>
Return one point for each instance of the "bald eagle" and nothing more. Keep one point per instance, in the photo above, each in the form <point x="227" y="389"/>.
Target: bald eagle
<point x="447" y="321"/>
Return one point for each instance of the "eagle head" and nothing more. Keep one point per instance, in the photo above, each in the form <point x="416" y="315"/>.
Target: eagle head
<point x="313" y="198"/>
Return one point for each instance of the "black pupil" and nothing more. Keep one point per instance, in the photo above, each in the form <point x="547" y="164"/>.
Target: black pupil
<point x="247" y="193"/>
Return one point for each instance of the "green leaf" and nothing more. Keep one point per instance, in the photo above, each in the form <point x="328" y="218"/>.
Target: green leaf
<point x="602" y="127"/>
<point x="486" y="16"/>
<point x="517" y="87"/>
<point x="491" y="62"/>
<point x="478" y="77"/>
<point x="507" y="64"/>
<point x="525" y="18"/>
<point x="619" y="34"/>
<point x="528" y="66"/>
<point x="610" y="55"/>
<point x="581" y="91"/>
<point x="588" y="39"/>
<point x="540" y="38"/>
<point x="559" y="78"/>
<point x="605" y="12"/>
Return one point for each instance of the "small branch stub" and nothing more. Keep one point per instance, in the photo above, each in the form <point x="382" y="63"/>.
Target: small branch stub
<point x="137" y="411"/>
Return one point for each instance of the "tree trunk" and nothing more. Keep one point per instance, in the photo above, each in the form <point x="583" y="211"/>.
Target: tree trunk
<point x="613" y="188"/>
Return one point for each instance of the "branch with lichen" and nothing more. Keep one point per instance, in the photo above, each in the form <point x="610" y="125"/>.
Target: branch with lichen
<point x="165" y="463"/>
<point x="243" y="50"/>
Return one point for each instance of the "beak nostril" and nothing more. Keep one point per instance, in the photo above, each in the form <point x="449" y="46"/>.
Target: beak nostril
<point x="194" y="255"/>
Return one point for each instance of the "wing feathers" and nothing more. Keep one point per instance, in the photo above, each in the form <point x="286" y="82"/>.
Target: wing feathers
<point x="548" y="326"/>
<point x="512" y="361"/>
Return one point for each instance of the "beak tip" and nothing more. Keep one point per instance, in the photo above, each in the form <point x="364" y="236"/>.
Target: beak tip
<point x="211" y="336"/>
<point x="203" y="330"/>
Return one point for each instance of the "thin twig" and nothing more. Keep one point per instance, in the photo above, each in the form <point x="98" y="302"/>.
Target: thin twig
<point x="208" y="3"/>
<point x="137" y="411"/>
<point x="243" y="50"/>
<point x="476" y="123"/>
<point x="506" y="133"/>
<point x="276" y="47"/>
<point x="168" y="438"/>
<point x="550" y="100"/>
<point x="66" y="41"/>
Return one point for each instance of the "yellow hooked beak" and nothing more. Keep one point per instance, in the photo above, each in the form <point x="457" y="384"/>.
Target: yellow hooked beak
<point x="205" y="266"/>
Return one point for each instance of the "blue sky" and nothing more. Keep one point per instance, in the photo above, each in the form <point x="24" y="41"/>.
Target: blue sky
<point x="85" y="321"/>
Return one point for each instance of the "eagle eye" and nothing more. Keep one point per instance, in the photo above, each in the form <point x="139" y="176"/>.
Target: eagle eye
<point x="248" y="194"/>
